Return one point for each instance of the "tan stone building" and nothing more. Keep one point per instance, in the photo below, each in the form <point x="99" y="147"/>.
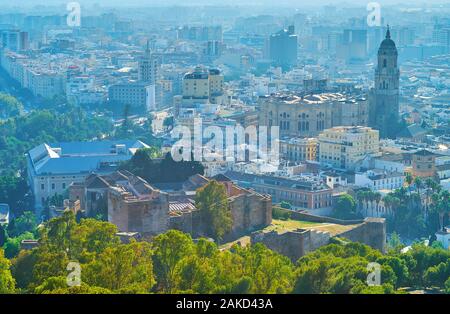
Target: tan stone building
<point x="298" y="149"/>
<point x="250" y="210"/>
<point x="138" y="207"/>
<point x="423" y="164"/>
<point x="134" y="205"/>
<point x="203" y="84"/>
<point x="131" y="203"/>
<point x="344" y="147"/>
<point x="308" y="115"/>
<point x="200" y="86"/>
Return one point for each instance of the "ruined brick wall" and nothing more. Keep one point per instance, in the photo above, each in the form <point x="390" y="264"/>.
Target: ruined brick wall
<point x="293" y="244"/>
<point x="155" y="216"/>
<point x="299" y="215"/>
<point x="144" y="216"/>
<point x="117" y="211"/>
<point x="250" y="212"/>
<point x="371" y="232"/>
<point x="77" y="192"/>
<point x="315" y="239"/>
<point x="290" y="244"/>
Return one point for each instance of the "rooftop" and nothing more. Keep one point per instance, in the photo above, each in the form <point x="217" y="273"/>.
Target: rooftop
<point x="297" y="183"/>
<point x="80" y="157"/>
<point x="311" y="99"/>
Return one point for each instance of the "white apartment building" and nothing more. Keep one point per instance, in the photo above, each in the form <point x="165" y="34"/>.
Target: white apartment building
<point x="377" y="180"/>
<point x="138" y="95"/>
<point x="32" y="75"/>
<point x="343" y="147"/>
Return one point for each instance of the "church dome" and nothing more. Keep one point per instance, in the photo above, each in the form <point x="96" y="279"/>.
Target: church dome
<point x="387" y="43"/>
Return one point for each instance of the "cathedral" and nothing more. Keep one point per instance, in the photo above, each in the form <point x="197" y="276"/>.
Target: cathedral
<point x="384" y="96"/>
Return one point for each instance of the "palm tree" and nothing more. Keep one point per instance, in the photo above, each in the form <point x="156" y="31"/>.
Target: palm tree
<point x="360" y="198"/>
<point x="366" y="201"/>
<point x="409" y="179"/>
<point x="391" y="202"/>
<point x="441" y="203"/>
<point x="371" y="198"/>
<point x="418" y="182"/>
<point x="387" y="200"/>
<point x="395" y="204"/>
<point x="430" y="185"/>
<point x="377" y="197"/>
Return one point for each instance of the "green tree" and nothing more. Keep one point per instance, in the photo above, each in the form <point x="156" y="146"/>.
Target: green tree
<point x="170" y="249"/>
<point x="270" y="272"/>
<point x="14" y="192"/>
<point x="437" y="275"/>
<point x="212" y="201"/>
<point x="7" y="282"/>
<point x="285" y="205"/>
<point x="3" y="235"/>
<point x="345" y="207"/>
<point x="22" y="224"/>
<point x="197" y="272"/>
<point x="9" y="106"/>
<point x="441" y="205"/>
<point x="12" y="245"/>
<point x="395" y="244"/>
<point x="123" y="268"/>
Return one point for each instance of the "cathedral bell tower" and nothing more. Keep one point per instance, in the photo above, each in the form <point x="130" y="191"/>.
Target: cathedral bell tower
<point x="384" y="102"/>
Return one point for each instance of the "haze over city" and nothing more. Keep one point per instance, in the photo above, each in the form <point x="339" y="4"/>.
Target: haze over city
<point x="224" y="148"/>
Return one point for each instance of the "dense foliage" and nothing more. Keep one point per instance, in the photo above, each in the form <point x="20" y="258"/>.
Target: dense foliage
<point x="345" y="207"/>
<point x="20" y="134"/>
<point x="173" y="263"/>
<point x="9" y="106"/>
<point x="415" y="211"/>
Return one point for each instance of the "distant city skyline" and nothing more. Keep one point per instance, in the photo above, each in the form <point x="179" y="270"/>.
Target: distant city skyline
<point x="317" y="3"/>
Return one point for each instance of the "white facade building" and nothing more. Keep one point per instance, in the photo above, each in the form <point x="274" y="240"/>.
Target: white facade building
<point x="380" y="180"/>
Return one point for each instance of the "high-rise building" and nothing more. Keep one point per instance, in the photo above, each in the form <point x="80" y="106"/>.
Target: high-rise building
<point x="384" y="100"/>
<point x="140" y="96"/>
<point x="148" y="67"/>
<point x="14" y="40"/>
<point x="353" y="45"/>
<point x="200" y="86"/>
<point x="283" y="47"/>
<point x="200" y="33"/>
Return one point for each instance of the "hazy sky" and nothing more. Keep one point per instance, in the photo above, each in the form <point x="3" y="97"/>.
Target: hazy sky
<point x="220" y="2"/>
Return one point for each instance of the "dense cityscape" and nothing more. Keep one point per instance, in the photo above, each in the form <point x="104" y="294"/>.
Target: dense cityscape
<point x="224" y="148"/>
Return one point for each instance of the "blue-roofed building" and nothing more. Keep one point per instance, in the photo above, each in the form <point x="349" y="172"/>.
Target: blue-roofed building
<point x="53" y="167"/>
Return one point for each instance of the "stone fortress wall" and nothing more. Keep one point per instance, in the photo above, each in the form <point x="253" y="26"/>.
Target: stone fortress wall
<point x="295" y="244"/>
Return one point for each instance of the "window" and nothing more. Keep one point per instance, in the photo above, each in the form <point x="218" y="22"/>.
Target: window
<point x="53" y="186"/>
<point x="42" y="186"/>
